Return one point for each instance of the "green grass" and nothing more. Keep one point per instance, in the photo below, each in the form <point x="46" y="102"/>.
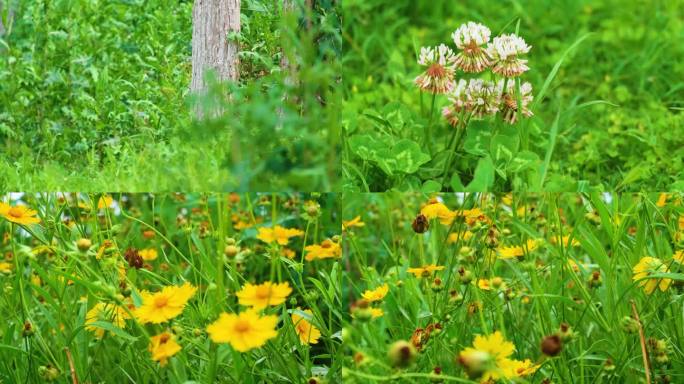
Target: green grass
<point x="609" y="119"/>
<point x="52" y="285"/>
<point x="95" y="97"/>
<point x="541" y="289"/>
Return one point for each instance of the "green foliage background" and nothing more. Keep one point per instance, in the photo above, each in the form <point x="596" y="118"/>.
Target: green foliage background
<point x="610" y="120"/>
<point x="94" y="96"/>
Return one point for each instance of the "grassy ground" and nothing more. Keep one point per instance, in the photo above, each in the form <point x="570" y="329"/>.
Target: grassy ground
<point x="94" y="97"/>
<point x="610" y="117"/>
<point x="569" y="306"/>
<point x="54" y="273"/>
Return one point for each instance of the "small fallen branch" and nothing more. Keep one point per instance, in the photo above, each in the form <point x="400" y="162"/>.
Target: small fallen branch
<point x="644" y="351"/>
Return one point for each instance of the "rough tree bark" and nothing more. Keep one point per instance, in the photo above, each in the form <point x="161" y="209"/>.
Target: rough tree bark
<point x="212" y="21"/>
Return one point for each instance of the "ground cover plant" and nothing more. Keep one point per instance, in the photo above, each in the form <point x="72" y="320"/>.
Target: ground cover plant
<point x="499" y="97"/>
<point x="492" y="288"/>
<point x="95" y="96"/>
<point x="170" y="288"/>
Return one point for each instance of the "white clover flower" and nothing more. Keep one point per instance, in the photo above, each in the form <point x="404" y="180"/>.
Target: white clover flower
<point x="470" y="38"/>
<point x="439" y="76"/>
<point x="475" y="97"/>
<point x="509" y="100"/>
<point x="504" y="51"/>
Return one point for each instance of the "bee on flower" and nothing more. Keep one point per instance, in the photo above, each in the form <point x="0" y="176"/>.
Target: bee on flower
<point x="470" y="38"/>
<point x="438" y="78"/>
<point x="505" y="51"/>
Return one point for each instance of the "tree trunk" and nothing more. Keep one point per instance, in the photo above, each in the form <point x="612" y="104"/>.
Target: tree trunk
<point x="212" y="21"/>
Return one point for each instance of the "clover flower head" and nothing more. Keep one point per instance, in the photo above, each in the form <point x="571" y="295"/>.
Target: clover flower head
<point x="504" y="51"/>
<point x="438" y="78"/>
<point x="509" y="100"/>
<point x="476" y="97"/>
<point x="470" y="38"/>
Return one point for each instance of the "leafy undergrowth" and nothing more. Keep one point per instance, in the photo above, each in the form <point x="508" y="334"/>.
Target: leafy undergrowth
<point x="607" y="108"/>
<point x="559" y="288"/>
<point x="94" y="96"/>
<point x="170" y="288"/>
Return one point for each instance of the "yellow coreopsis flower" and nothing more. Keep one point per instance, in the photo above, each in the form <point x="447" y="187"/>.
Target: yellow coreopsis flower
<point x="662" y="200"/>
<point x="19" y="214"/>
<point x="5" y="267"/>
<point x="165" y="304"/>
<point x="518" y="250"/>
<point x="108" y="312"/>
<point x="326" y="250"/>
<point x="355" y="222"/>
<point x="148" y="254"/>
<point x="244" y="331"/>
<point x="162" y="347"/>
<point x="426" y="270"/>
<point x="105" y="201"/>
<point x="459" y="236"/>
<point x="278" y="234"/>
<point x="646" y="267"/>
<point x="436" y="210"/>
<point x="679" y="257"/>
<point x="489" y="360"/>
<point x="308" y="334"/>
<point x="376" y="294"/>
<point x="262" y="295"/>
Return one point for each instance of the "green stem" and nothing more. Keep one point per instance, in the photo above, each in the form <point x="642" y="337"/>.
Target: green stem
<point x="428" y="129"/>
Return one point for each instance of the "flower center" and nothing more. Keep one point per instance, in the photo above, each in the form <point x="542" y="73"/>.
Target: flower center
<point x="16" y="212"/>
<point x="436" y="70"/>
<point x="241" y="326"/>
<point x="164" y="338"/>
<point x="160" y="302"/>
<point x="263" y="292"/>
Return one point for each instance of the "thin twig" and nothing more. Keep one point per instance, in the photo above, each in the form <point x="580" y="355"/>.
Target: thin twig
<point x="644" y="352"/>
<point x="74" y="378"/>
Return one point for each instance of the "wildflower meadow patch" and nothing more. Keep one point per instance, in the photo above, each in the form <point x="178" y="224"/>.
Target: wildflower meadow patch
<point x="493" y="288"/>
<point x="170" y="288"/>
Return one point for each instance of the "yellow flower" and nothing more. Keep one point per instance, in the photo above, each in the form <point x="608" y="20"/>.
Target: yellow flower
<point x="287" y="252"/>
<point x="459" y="236"/>
<point x="436" y="210"/>
<point x="110" y="313"/>
<point x="377" y="312"/>
<point x="489" y="360"/>
<point x="308" y="334"/>
<point x="472" y="216"/>
<point x="278" y="234"/>
<point x="263" y="295"/>
<point x="517" y="368"/>
<point x="678" y="257"/>
<point x="645" y="268"/>
<point x="5" y="267"/>
<point x="148" y="254"/>
<point x="244" y="331"/>
<point x="680" y="223"/>
<point x="162" y="347"/>
<point x="662" y="200"/>
<point x="376" y="294"/>
<point x="425" y="271"/>
<point x="19" y="214"/>
<point x="105" y="201"/>
<point x="518" y="250"/>
<point x="484" y="284"/>
<point x="327" y="249"/>
<point x="164" y="305"/>
<point x="566" y="241"/>
<point x="355" y="222"/>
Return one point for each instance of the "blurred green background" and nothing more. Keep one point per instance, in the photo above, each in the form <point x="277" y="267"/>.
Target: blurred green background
<point x="632" y="59"/>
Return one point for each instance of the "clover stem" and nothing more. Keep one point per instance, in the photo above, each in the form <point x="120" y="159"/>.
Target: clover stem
<point x="428" y="129"/>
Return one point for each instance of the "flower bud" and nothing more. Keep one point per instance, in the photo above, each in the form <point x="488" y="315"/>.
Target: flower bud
<point x="401" y="354"/>
<point x="475" y="362"/>
<point x="629" y="324"/>
<point x="420" y="224"/>
<point x="83" y="244"/>
<point x="231" y="250"/>
<point x="551" y="345"/>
